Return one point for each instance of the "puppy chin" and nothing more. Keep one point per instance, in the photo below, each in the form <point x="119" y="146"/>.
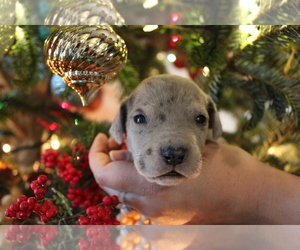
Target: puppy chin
<point x="166" y="180"/>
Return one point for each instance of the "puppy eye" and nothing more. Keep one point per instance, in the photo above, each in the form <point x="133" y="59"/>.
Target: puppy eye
<point x="201" y="119"/>
<point x="139" y="119"/>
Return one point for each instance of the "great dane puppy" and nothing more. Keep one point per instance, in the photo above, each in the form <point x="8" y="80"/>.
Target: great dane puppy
<point x="166" y="121"/>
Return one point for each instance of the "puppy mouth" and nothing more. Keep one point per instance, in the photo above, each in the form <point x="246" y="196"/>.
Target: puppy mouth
<point x="172" y="174"/>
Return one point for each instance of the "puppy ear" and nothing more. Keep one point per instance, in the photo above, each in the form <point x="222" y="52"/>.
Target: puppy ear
<point x="118" y="126"/>
<point x="214" y="120"/>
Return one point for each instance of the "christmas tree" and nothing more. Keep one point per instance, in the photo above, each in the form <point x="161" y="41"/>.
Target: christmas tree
<point x="250" y="71"/>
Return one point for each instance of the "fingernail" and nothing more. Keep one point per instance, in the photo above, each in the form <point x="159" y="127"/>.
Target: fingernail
<point x="119" y="155"/>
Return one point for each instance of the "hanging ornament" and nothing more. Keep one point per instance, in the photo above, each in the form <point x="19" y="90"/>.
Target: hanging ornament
<point x="85" y="12"/>
<point x="7" y="37"/>
<point x="86" y="57"/>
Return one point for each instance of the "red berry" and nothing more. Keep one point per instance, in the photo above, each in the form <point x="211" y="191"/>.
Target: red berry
<point x="31" y="200"/>
<point x="50" y="213"/>
<point x="82" y="220"/>
<point x="39" y="193"/>
<point x="43" y="209"/>
<point x="23" y="237"/>
<point x="14" y="207"/>
<point x="22" y="198"/>
<point x="42" y="179"/>
<point x="106" y="200"/>
<point x="24" y="206"/>
<point x="83" y="244"/>
<point x="115" y="199"/>
<point x="22" y="215"/>
<point x="36" y="208"/>
<point x="34" y="184"/>
<point x="44" y="218"/>
<point x="48" y="203"/>
<point x="9" y="213"/>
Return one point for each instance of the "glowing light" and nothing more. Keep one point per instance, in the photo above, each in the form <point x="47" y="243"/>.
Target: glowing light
<point x="250" y="30"/>
<point x="55" y="144"/>
<point x="248" y="5"/>
<point x="6" y="148"/>
<point x="171" y="57"/>
<point x="176" y="16"/>
<point x="205" y="71"/>
<point x="65" y="105"/>
<point x="53" y="126"/>
<point x="148" y="4"/>
<point x="20" y="10"/>
<point x="76" y="122"/>
<point x="160" y="56"/>
<point x="176" y="38"/>
<point x="271" y="150"/>
<point x="149" y="28"/>
<point x="20" y="33"/>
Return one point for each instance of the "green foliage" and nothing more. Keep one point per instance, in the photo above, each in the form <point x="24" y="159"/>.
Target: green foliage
<point x="278" y="12"/>
<point x="85" y="131"/>
<point x="45" y="111"/>
<point x="25" y="61"/>
<point x="129" y="78"/>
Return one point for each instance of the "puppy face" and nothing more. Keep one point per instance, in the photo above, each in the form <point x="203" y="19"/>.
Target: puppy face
<point x="166" y="121"/>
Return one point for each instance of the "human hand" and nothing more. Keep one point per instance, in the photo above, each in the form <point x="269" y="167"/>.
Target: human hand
<point x="233" y="187"/>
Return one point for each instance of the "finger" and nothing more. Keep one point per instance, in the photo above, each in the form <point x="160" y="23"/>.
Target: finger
<point x="98" y="155"/>
<point x="113" y="145"/>
<point x="133" y="200"/>
<point x="120" y="155"/>
<point x="123" y="176"/>
<point x="100" y="144"/>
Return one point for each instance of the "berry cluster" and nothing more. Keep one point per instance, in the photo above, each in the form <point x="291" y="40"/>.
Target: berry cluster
<point x="82" y="155"/>
<point x="22" y="233"/>
<point x="69" y="173"/>
<point x="47" y="211"/>
<point x="85" y="197"/>
<point x="68" y="167"/>
<point x="50" y="158"/>
<point x="39" y="187"/>
<point x="101" y="215"/>
<point x="24" y="206"/>
<point x="98" y="238"/>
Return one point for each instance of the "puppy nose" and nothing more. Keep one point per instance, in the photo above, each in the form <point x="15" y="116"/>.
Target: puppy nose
<point x="173" y="156"/>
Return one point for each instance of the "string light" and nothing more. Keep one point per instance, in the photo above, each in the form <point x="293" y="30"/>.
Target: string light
<point x="148" y="4"/>
<point x="6" y="148"/>
<point x="149" y="28"/>
<point x="206" y="71"/>
<point x="55" y="144"/>
<point x="171" y="57"/>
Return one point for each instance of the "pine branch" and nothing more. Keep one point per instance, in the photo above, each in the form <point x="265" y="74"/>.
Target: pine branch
<point x="275" y="87"/>
<point x="277" y="37"/>
<point x="25" y="61"/>
<point x="37" y="107"/>
<point x="279" y="12"/>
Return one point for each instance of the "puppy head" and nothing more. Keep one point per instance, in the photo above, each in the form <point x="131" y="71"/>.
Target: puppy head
<point x="166" y="121"/>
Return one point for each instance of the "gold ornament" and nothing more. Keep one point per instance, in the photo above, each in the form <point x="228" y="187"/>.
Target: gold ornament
<point x="85" y="12"/>
<point x="86" y="57"/>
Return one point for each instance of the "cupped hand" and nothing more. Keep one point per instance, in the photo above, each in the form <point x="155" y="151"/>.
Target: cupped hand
<point x="216" y="196"/>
